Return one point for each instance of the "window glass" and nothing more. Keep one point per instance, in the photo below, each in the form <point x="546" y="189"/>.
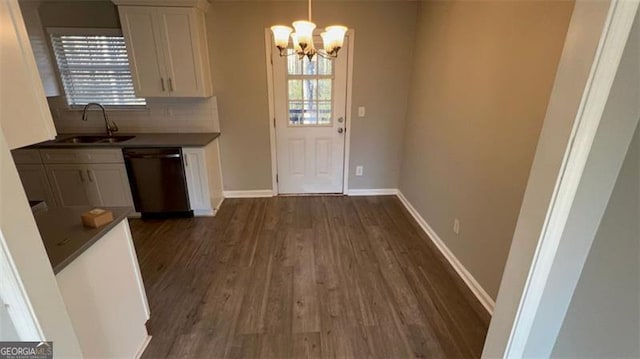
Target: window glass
<point x="310" y="90"/>
<point x="95" y="68"/>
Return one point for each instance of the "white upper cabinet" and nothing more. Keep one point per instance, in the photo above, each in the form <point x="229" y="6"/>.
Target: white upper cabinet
<point x="25" y="118"/>
<point x="144" y="50"/>
<point x="167" y="51"/>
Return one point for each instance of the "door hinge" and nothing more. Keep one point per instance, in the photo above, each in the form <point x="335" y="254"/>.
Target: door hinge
<point x="274" y="122"/>
<point x="277" y="178"/>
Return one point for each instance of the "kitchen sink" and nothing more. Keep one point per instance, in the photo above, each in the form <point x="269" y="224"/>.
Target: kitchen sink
<point x="95" y="139"/>
<point x="115" y="139"/>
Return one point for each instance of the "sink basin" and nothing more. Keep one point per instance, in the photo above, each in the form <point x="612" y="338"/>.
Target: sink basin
<point x="95" y="139"/>
<point x="81" y="139"/>
<point x="115" y="139"/>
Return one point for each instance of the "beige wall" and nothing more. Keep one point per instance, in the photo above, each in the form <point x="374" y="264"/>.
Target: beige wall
<point x="583" y="36"/>
<point x="384" y="39"/>
<point x="483" y="73"/>
<point x="91" y="13"/>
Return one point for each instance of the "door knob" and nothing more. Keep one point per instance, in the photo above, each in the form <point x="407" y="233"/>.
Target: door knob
<point x="340" y="130"/>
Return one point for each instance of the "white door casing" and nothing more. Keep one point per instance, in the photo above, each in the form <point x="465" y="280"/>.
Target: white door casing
<point x="310" y="142"/>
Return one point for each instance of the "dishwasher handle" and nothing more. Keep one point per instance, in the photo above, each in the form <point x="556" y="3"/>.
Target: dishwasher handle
<point x="173" y="155"/>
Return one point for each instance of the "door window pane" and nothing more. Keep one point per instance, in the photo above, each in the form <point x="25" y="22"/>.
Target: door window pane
<point x="324" y="89"/>
<point x="295" y="90"/>
<point x="325" y="66"/>
<point x="295" y="112"/>
<point x="324" y="112"/>
<point x="310" y="87"/>
<point x="310" y="113"/>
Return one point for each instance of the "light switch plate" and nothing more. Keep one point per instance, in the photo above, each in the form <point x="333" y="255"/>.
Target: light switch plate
<point x="361" y="111"/>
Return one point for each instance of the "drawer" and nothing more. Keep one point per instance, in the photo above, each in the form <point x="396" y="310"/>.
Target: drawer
<point x="72" y="155"/>
<point x="26" y="156"/>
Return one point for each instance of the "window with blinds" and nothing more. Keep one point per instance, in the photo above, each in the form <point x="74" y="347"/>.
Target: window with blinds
<point x="94" y="67"/>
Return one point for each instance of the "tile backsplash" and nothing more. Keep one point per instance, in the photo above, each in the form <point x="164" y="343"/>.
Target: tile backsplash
<point x="160" y="115"/>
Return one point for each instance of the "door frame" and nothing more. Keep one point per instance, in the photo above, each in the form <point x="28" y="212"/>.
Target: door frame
<point x="530" y="293"/>
<point x="268" y="41"/>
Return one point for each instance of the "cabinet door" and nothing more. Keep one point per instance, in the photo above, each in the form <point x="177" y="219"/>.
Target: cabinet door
<point x="144" y="48"/>
<point x="197" y="184"/>
<point x="109" y="185"/>
<point x="68" y="183"/>
<point x="185" y="51"/>
<point x="35" y="183"/>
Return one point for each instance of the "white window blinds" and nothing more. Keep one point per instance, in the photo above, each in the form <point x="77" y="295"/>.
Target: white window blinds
<point x="94" y="67"/>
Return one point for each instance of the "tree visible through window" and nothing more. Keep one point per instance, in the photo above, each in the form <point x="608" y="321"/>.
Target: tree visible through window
<point x="309" y="84"/>
<point x="94" y="67"/>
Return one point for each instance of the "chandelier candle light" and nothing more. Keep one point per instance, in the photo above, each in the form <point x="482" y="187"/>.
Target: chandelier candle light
<point x="332" y="38"/>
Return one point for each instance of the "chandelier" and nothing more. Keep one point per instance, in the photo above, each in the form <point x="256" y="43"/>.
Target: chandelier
<point x="332" y="39"/>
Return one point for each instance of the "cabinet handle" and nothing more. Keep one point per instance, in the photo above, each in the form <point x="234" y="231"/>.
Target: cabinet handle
<point x="170" y="84"/>
<point x="162" y="83"/>
<point x="81" y="176"/>
<point x="89" y="176"/>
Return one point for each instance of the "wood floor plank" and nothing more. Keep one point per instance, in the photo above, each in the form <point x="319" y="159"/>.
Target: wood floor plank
<point x="306" y="345"/>
<point x="305" y="305"/>
<point x="303" y="277"/>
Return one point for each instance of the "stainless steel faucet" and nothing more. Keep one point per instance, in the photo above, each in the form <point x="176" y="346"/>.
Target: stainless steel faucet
<point x="110" y="126"/>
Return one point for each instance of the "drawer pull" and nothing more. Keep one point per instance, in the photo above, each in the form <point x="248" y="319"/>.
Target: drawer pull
<point x="89" y="176"/>
<point x="81" y="176"/>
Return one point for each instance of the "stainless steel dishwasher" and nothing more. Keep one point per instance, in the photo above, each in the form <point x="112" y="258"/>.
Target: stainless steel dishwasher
<point x="157" y="180"/>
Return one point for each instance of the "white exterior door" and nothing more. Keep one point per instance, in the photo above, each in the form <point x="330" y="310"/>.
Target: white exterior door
<point x="310" y="108"/>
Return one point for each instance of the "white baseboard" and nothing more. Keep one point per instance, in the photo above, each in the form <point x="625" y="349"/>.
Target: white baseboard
<point x="203" y="212"/>
<point x="216" y="206"/>
<point x="372" y="192"/>
<point x="249" y="194"/>
<point x="142" y="348"/>
<point x="487" y="302"/>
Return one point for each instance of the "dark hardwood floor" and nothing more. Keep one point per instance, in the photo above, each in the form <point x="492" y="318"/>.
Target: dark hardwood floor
<point x="292" y="277"/>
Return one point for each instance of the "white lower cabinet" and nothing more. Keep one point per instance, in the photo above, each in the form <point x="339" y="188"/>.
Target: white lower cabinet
<point x="35" y="183"/>
<point x="109" y="184"/>
<point x="98" y="177"/>
<point x="68" y="184"/>
<point x="194" y="170"/>
<point x="204" y="178"/>
<point x="90" y="184"/>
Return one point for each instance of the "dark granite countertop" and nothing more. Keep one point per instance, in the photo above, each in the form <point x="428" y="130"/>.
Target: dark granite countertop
<point x="64" y="236"/>
<point x="140" y="140"/>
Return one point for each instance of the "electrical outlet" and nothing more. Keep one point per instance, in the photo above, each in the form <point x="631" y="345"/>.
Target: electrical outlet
<point x="359" y="170"/>
<point x="361" y="111"/>
<point x="456" y="226"/>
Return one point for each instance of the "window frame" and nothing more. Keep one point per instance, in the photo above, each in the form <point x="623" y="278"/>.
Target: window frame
<point x="86" y="31"/>
<point x="302" y="76"/>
